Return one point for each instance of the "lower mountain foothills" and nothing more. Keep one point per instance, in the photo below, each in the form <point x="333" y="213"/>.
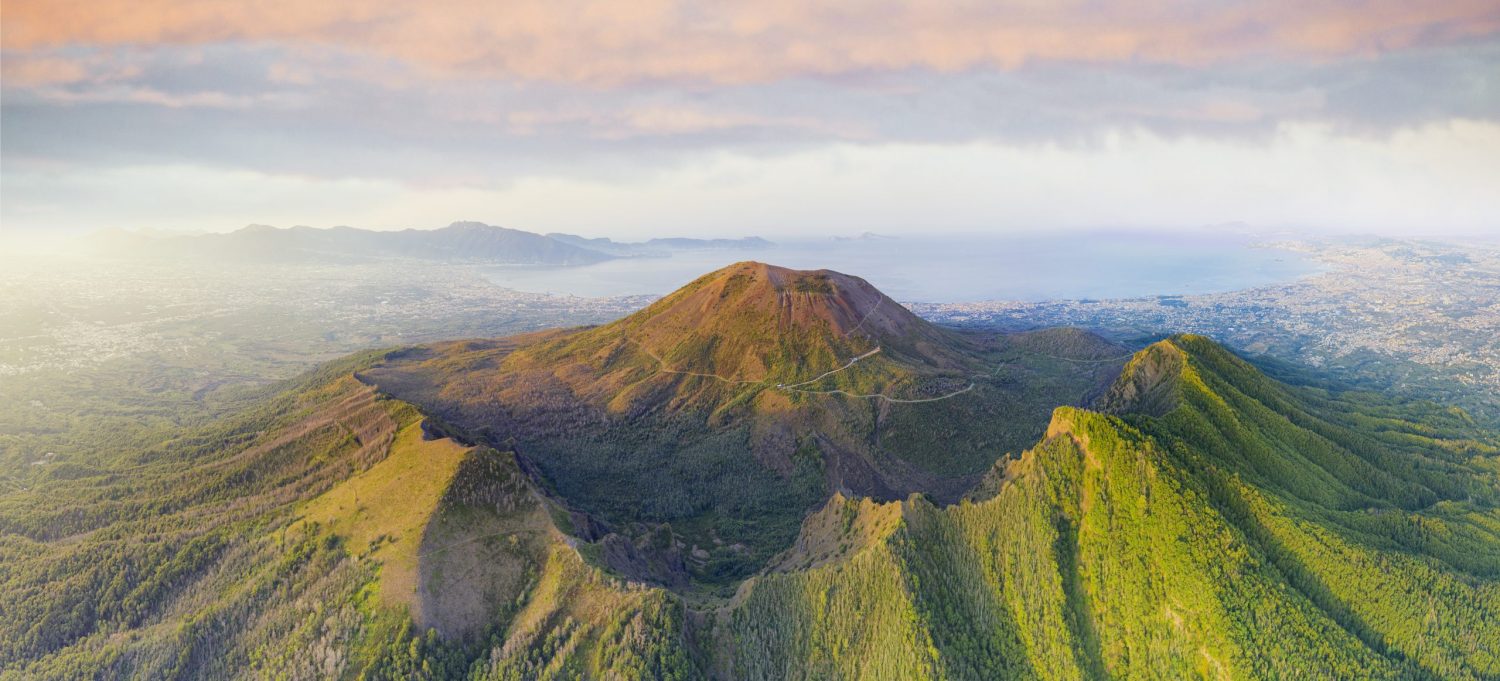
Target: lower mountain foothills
<point x="713" y="487"/>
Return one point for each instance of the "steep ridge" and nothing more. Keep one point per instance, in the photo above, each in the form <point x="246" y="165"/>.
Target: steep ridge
<point x="457" y="532"/>
<point x="1343" y="453"/>
<point x="326" y="534"/>
<point x="1158" y="544"/>
<point x="701" y="429"/>
<point x="1148" y="384"/>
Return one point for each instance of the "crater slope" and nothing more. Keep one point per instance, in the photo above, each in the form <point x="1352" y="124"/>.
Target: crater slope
<point x="696" y="433"/>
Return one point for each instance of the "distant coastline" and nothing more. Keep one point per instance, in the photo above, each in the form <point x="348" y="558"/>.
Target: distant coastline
<point x="945" y="270"/>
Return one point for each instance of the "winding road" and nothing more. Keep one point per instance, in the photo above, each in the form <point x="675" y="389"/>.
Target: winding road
<point x="797" y="387"/>
<point x="887" y="398"/>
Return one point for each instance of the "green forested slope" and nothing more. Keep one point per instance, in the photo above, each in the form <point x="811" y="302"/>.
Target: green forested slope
<point x="318" y="536"/>
<point x="1245" y="531"/>
<point x="1203" y="521"/>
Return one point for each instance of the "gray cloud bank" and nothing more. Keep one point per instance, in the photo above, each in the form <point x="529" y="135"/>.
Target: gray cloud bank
<point x="332" y="114"/>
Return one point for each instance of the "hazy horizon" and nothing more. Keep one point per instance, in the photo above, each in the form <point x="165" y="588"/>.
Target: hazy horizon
<point x="63" y="242"/>
<point x="747" y="118"/>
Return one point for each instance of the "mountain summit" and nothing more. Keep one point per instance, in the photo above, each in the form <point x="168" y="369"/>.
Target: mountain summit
<point x="738" y="402"/>
<point x="753" y="324"/>
<point x="779" y="301"/>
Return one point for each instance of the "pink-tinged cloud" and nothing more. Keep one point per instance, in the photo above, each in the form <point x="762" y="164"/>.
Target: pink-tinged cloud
<point x="42" y="71"/>
<point x="760" y="40"/>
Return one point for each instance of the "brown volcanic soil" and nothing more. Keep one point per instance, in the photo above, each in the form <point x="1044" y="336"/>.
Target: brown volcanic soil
<point x="756" y="302"/>
<point x="736" y="401"/>
<point x="752" y="323"/>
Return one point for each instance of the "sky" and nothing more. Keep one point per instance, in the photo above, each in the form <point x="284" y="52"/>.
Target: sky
<point x="770" y="117"/>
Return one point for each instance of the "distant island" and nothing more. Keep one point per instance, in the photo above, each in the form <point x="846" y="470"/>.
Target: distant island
<point x="865" y="236"/>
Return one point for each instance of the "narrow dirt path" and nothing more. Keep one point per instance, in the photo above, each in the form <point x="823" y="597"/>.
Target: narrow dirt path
<point x="887" y="398"/>
<point x="826" y="374"/>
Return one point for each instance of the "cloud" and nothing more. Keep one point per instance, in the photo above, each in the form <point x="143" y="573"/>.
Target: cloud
<point x="611" y="43"/>
<point x="481" y="97"/>
<point x="1436" y="179"/>
<point x="24" y="72"/>
<point x="335" y="114"/>
<point x="62" y="68"/>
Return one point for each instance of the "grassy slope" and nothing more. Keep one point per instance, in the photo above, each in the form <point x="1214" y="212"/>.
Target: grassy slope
<point x="1093" y="560"/>
<point x="237" y="552"/>
<point x="382" y="512"/>
<point x="1177" y="545"/>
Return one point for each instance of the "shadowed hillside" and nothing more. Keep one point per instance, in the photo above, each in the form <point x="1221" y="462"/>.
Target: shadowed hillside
<point x="1246" y="532"/>
<point x="318" y="536"/>
<point x="721" y="414"/>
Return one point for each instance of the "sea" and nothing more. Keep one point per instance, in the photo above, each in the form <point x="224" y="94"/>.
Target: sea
<point x="959" y="269"/>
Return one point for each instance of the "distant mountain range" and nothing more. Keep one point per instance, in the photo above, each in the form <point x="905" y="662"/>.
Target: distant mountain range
<point x="472" y="242"/>
<point x="660" y="247"/>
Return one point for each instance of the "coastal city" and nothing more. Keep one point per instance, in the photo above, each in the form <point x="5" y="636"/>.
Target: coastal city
<point x="1420" y="317"/>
